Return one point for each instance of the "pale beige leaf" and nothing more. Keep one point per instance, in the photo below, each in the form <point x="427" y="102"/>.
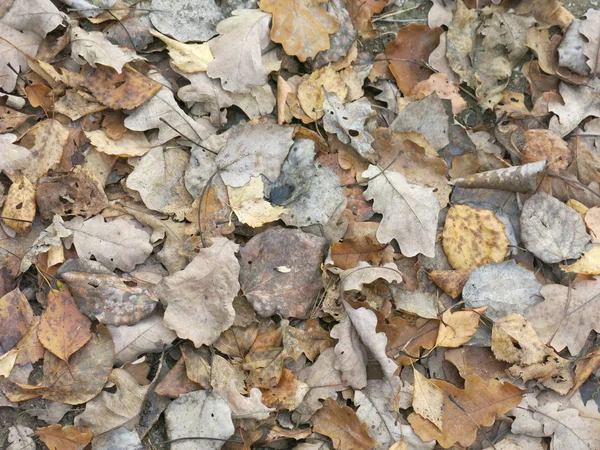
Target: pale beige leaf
<point x="364" y="273"/>
<point x="189" y="58"/>
<point x="200" y="297"/>
<point x="350" y="354"/>
<point x="94" y="48"/>
<point x="131" y="143"/>
<point x="249" y="204"/>
<point x="428" y="400"/>
<point x="116" y="244"/>
<point x="410" y="212"/>
<point x="14" y="157"/>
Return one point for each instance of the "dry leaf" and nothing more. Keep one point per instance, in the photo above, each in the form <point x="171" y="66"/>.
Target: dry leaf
<point x="567" y="315"/>
<point x="69" y="437"/>
<point x="186" y="20"/>
<point x="350" y="354"/>
<point x="443" y="87"/>
<point x="63" y="329"/>
<point x="546" y="145"/>
<point x="200" y="297"/>
<point x="348" y="253"/>
<point x="354" y="279"/>
<point x="514" y="340"/>
<point x="176" y="382"/>
<point x="480" y="402"/>
<point x="189" y="58"/>
<point x="16" y="316"/>
<point x="14" y="157"/>
<point x="551" y="230"/>
<point x="480" y="361"/>
<point x="504" y="288"/>
<point x="112" y="410"/>
<point x="287" y="394"/>
<point x="409" y="211"/>
<point x="92" y="47"/>
<point x="301" y="26"/>
<point x="131" y="143"/>
<point x="287" y="294"/>
<point x="361" y="12"/>
<point x="450" y="281"/>
<point x="473" y="237"/>
<point x="457" y="328"/>
<point x="428" y="400"/>
<point x="342" y="425"/>
<point x="249" y="204"/>
<point x="513" y="179"/>
<point x="311" y="92"/>
<point x="20" y="205"/>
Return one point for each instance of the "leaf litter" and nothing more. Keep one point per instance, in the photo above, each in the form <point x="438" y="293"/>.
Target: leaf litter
<point x="299" y="224"/>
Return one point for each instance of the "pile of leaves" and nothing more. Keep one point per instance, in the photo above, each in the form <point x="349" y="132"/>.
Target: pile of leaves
<point x="254" y="225"/>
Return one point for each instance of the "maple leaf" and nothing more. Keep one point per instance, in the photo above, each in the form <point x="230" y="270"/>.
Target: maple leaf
<point x="301" y="26"/>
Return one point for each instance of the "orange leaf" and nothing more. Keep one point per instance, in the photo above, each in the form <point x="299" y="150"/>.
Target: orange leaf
<point x="57" y="437"/>
<point x="301" y="26"/>
<point x="348" y="253"/>
<point x="467" y="409"/>
<point x="342" y="425"/>
<point x="409" y="51"/>
<point x="450" y="281"/>
<point x="63" y="329"/>
<point x="361" y="12"/>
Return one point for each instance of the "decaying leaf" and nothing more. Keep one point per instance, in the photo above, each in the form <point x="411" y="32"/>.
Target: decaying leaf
<point x="249" y="204"/>
<point x="203" y="293"/>
<point x="450" y="281"/>
<point x="287" y="294"/>
<point x="69" y="437"/>
<point x="20" y="206"/>
<point x="186" y="20"/>
<point x="515" y="341"/>
<point x="513" y="179"/>
<point x="409" y="211"/>
<point x="16" y="316"/>
<point x="551" y="230"/>
<point x="188" y="58"/>
<point x="92" y="47"/>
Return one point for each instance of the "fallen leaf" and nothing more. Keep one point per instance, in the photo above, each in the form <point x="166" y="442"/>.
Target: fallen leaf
<point x="287" y="394"/>
<point x="149" y="335"/>
<point x="130" y="143"/>
<point x="311" y="92"/>
<point x="504" y="288"/>
<point x="186" y="20"/>
<point x="551" y="230"/>
<point x="176" y="382"/>
<point x="111" y="410"/>
<point x="116" y="244"/>
<point x="361" y="12"/>
<point x="567" y="315"/>
<point x="480" y="361"/>
<point x="249" y="204"/>
<point x="546" y="145"/>
<point x="473" y="237"/>
<point x="514" y="340"/>
<point x="243" y="407"/>
<point x="119" y="437"/>
<point x="197" y="366"/>
<point x="451" y="282"/>
<point x="287" y="294"/>
<point x="408" y="51"/>
<point x="348" y="253"/>
<point x="15" y="56"/>
<point x="92" y="47"/>
<point x="588" y="28"/>
<point x="578" y="102"/>
<point x="109" y="299"/>
<point x="406" y="337"/>
<point x="443" y="87"/>
<point x="58" y="437"/>
<point x="409" y="211"/>
<point x="364" y="273"/>
<point x="203" y="293"/>
<point x="20" y="206"/>
<point x="158" y="177"/>
<point x="467" y="409"/>
<point x="189" y="58"/>
<point x="19" y="438"/>
<point x="310" y="341"/>
<point x="350" y="354"/>
<point x="238" y="50"/>
<point x="14" y="157"/>
<point x="301" y="26"/>
<point x="521" y="178"/>
<point x="342" y="425"/>
<point x="199" y="413"/>
<point x="428" y="400"/>
<point x="457" y="328"/>
<point x="162" y="109"/>
<point x="63" y="329"/>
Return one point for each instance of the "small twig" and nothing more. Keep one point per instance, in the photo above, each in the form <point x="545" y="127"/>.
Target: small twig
<point x="186" y="137"/>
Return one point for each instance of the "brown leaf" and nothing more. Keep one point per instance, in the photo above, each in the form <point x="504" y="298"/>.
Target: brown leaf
<point x="473" y="237"/>
<point x="406" y="337"/>
<point x="443" y="87"/>
<point x="513" y="179"/>
<point x="126" y="90"/>
<point x="287" y="394"/>
<point x="197" y="365"/>
<point x="16" y="317"/>
<point x="301" y="26"/>
<point x="58" y="437"/>
<point x="349" y="252"/>
<point x="29" y="347"/>
<point x="264" y="361"/>
<point x="272" y="292"/>
<point x="546" y="145"/>
<point x="480" y="361"/>
<point x="480" y="402"/>
<point x="361" y="12"/>
<point x="20" y="205"/>
<point x="310" y="341"/>
<point x="342" y="425"/>
<point x="63" y="329"/>
<point x="11" y="119"/>
<point x="237" y="341"/>
<point x="450" y="281"/>
<point x="176" y="382"/>
<point x="85" y="193"/>
<point x="108" y="299"/>
<point x="409" y="51"/>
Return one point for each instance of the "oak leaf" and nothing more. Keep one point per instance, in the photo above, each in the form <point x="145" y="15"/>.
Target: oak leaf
<point x="361" y="12"/>
<point x="407" y="336"/>
<point x="301" y="26"/>
<point x="311" y="341"/>
<point x="409" y="211"/>
<point x="343" y="426"/>
<point x="465" y="410"/>
<point x="199" y="298"/>
<point x="63" y="329"/>
<point x="69" y="437"/>
<point x="473" y="237"/>
<point x="478" y="361"/>
<point x="349" y="252"/>
<point x="94" y="48"/>
<point x="350" y="354"/>
<point x="311" y="92"/>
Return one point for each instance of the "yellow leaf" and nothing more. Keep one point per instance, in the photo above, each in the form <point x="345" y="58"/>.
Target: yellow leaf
<point x="457" y="328"/>
<point x="20" y="205"/>
<point x="428" y="400"/>
<point x="249" y="204"/>
<point x="310" y="91"/>
<point x="588" y="264"/>
<point x="473" y="237"/>
<point x="189" y="58"/>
